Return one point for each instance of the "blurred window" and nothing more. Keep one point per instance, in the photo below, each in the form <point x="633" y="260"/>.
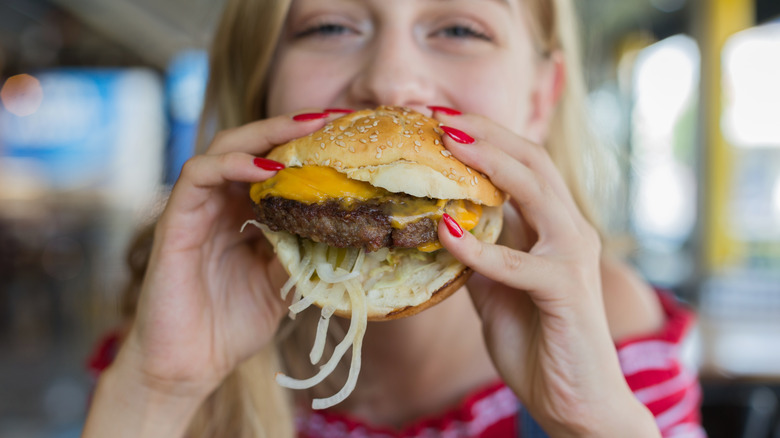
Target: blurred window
<point x="665" y="96"/>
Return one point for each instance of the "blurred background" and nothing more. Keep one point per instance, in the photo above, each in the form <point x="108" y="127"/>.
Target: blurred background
<point x="100" y="100"/>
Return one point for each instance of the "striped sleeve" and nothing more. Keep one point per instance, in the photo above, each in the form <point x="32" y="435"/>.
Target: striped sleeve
<point x="659" y="378"/>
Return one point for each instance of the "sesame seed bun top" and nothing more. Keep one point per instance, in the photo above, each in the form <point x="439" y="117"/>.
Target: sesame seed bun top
<point x="394" y="148"/>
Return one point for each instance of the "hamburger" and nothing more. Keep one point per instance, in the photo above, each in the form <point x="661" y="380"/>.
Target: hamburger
<point x="353" y="218"/>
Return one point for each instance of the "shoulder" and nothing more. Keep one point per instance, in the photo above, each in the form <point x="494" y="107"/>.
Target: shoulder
<point x="633" y="308"/>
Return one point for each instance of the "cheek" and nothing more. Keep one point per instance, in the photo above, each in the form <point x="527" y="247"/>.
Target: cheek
<point x="498" y="90"/>
<point x="295" y="85"/>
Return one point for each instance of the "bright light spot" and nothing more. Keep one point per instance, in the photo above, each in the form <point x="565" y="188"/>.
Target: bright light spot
<point x="665" y="91"/>
<point x="665" y="203"/>
<point x="22" y="95"/>
<point x="667" y="75"/>
<point x="751" y="61"/>
<point x="776" y="199"/>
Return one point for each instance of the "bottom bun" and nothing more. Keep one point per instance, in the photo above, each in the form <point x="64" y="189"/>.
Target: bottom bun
<point x="396" y="282"/>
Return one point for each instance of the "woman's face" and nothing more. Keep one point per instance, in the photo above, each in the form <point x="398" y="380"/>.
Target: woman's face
<point x="472" y="55"/>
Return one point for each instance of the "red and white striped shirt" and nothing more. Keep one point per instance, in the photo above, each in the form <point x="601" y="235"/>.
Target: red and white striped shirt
<point x="652" y="365"/>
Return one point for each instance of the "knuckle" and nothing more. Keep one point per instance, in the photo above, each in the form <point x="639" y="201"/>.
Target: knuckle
<point x="511" y="261"/>
<point x="190" y="166"/>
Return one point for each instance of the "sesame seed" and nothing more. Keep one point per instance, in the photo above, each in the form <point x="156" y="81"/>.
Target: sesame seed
<point x="318" y="138"/>
<point x="332" y="138"/>
<point x="322" y="145"/>
<point x="343" y="128"/>
<point x="379" y="154"/>
<point x="446" y="153"/>
<point x="374" y="140"/>
<point x="420" y="132"/>
<point x="341" y="143"/>
<point x="468" y="169"/>
<point x="436" y="142"/>
<point x="417" y="143"/>
<point x="461" y="179"/>
<point x="389" y="143"/>
<point x="363" y="140"/>
<point x="352" y="149"/>
<point x="340" y="137"/>
<point x="326" y="162"/>
<point x="376" y="123"/>
<point x="418" y="123"/>
<point x="417" y="148"/>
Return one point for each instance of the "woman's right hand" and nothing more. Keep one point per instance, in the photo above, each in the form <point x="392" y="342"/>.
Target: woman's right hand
<point x="210" y="297"/>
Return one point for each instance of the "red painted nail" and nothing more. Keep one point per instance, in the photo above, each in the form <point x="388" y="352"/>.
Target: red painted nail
<point x="266" y="164"/>
<point x="309" y="116"/>
<point x="457" y="135"/>
<point x="453" y="227"/>
<point x="338" y="110"/>
<point x="445" y="110"/>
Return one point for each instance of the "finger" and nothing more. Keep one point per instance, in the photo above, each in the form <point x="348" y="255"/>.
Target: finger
<point x="516" y="269"/>
<point x="540" y="204"/>
<point x="260" y="136"/>
<point x="532" y="155"/>
<point x="203" y="173"/>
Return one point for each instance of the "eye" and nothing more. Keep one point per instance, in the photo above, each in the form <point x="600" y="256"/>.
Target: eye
<point x="461" y="31"/>
<point x="324" y="30"/>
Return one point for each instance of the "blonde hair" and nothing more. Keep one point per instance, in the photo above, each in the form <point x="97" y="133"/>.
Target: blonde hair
<point x="249" y="403"/>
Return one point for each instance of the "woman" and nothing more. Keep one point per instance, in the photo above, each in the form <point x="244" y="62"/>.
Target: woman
<point x="542" y="316"/>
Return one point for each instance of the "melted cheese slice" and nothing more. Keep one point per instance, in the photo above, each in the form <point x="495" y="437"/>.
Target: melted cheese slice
<point x="316" y="184"/>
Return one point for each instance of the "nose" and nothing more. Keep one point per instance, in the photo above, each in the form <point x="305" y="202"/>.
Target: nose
<point x="394" y="71"/>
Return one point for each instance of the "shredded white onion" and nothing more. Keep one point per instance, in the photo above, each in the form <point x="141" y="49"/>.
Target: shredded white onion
<point x="312" y="296"/>
<point x="251" y="222"/>
<point x="332" y="278"/>
<point x="357" y="297"/>
<point x="327" y="369"/>
<point x="322" y="332"/>
<point x="303" y="272"/>
<point x="327" y="274"/>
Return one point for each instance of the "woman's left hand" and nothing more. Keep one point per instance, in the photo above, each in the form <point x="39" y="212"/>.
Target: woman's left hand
<point x="541" y="300"/>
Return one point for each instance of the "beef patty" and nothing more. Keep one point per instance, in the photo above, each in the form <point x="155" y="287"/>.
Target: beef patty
<point x="362" y="225"/>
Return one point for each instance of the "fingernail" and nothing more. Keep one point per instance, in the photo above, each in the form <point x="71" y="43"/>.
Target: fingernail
<point x="309" y="116"/>
<point x="338" y="110"/>
<point x="453" y="227"/>
<point x="266" y="164"/>
<point x="445" y="110"/>
<point x="457" y="135"/>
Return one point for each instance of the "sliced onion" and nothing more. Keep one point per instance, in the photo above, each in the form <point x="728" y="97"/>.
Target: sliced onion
<point x="358" y="301"/>
<point x="309" y="299"/>
<point x="304" y="272"/>
<point x="251" y="222"/>
<point x="322" y="333"/>
<point x="327" y="274"/>
<point x="338" y="353"/>
<point x="300" y="288"/>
